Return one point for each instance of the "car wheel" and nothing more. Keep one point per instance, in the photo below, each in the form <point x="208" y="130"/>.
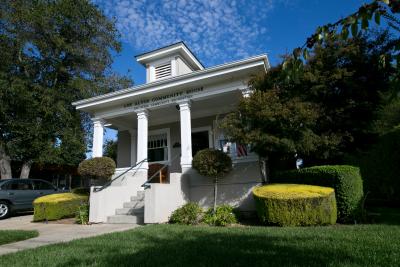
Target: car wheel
<point x="5" y="210"/>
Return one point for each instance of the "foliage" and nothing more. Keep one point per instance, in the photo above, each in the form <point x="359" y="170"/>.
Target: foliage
<point x="354" y="23"/>
<point x="53" y="53"/>
<point x="346" y="180"/>
<point x="295" y="205"/>
<point x="222" y="216"/>
<point x="82" y="214"/>
<point x="101" y="168"/>
<point x="10" y="236"/>
<point x="81" y="191"/>
<point x="189" y="214"/>
<point x="111" y="149"/>
<point x="212" y="163"/>
<point x="380" y="167"/>
<point x="57" y="206"/>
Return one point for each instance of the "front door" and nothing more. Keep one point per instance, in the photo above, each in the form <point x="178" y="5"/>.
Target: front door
<point x="200" y="140"/>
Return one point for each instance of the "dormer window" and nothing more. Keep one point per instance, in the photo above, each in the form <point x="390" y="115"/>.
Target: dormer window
<point x="163" y="70"/>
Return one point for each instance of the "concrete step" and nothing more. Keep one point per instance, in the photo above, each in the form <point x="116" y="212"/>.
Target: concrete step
<point x="140" y="194"/>
<point x="130" y="211"/>
<point x="137" y="198"/>
<point x="125" y="219"/>
<point x="134" y="204"/>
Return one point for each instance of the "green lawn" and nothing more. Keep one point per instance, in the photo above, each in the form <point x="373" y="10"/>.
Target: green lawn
<point x="9" y="236"/>
<point x="172" y="245"/>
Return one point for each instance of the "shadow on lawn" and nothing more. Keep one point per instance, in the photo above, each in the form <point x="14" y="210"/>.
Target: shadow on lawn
<point x="195" y="248"/>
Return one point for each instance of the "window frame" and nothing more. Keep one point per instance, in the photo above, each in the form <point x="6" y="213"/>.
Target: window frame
<point x="161" y="131"/>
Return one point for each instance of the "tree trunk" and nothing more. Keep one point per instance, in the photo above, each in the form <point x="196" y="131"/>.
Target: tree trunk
<point x="26" y="168"/>
<point x="265" y="171"/>
<point x="215" y="194"/>
<point x="5" y="165"/>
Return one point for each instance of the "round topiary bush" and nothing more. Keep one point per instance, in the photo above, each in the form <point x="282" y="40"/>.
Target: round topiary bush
<point x="101" y="168"/>
<point x="295" y="205"/>
<point x="214" y="164"/>
<point x="190" y="214"/>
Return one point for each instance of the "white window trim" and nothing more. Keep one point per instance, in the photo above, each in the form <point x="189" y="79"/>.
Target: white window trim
<point x="210" y="134"/>
<point x="162" y="131"/>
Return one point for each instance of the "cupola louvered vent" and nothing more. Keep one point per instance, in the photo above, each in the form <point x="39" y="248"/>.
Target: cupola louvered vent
<point x="163" y="70"/>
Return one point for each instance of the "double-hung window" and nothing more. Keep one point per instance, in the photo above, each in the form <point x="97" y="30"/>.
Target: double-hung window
<point x="158" y="147"/>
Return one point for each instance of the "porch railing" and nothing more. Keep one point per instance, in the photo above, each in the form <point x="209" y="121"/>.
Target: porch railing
<point x="120" y="175"/>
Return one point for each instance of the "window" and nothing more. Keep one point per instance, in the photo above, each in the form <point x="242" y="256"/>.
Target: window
<point x="19" y="185"/>
<point x="163" y="70"/>
<point x="42" y="185"/>
<point x="158" y="147"/>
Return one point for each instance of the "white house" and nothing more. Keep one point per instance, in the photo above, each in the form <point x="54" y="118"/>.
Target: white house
<point x="162" y="124"/>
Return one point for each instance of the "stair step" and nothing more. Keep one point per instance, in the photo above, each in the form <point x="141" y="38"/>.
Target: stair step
<point x="137" y="198"/>
<point x="134" y="204"/>
<point x="140" y="194"/>
<point x="125" y="219"/>
<point x="130" y="211"/>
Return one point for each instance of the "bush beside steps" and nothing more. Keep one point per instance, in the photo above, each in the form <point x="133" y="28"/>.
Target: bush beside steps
<point x="295" y="205"/>
<point x="192" y="214"/>
<point x="57" y="206"/>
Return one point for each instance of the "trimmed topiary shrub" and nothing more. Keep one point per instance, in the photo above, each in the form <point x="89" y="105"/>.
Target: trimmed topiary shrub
<point x="346" y="180"/>
<point x="189" y="214"/>
<point x="57" y="206"/>
<point x="214" y="164"/>
<point x="295" y="205"/>
<point x="101" y="168"/>
<point x="223" y="216"/>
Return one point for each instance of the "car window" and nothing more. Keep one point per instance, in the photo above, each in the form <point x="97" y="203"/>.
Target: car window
<point x="18" y="185"/>
<point x="42" y="185"/>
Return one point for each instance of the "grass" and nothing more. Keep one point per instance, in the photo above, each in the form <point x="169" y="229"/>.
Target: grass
<point x="173" y="245"/>
<point x="9" y="236"/>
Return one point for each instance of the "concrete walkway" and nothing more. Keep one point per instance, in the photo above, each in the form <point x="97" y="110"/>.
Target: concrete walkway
<point x="52" y="233"/>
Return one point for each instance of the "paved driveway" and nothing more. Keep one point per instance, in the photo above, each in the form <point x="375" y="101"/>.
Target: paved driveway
<point x="52" y="233"/>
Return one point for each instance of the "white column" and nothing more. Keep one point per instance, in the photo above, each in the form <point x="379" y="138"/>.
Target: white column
<point x="186" y="134"/>
<point x="98" y="131"/>
<point x="133" y="134"/>
<point x="142" y="137"/>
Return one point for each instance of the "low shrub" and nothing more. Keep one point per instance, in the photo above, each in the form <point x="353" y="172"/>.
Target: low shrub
<point x="82" y="214"/>
<point x="346" y="180"/>
<point x="101" y="168"/>
<point x="223" y="216"/>
<point x="57" y="206"/>
<point x="189" y="214"/>
<point x="81" y="191"/>
<point x="295" y="205"/>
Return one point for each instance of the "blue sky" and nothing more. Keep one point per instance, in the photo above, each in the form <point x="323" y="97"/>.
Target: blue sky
<point x="217" y="31"/>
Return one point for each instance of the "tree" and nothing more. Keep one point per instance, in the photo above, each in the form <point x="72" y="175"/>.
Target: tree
<point x="53" y="52"/>
<point x="214" y="164"/>
<point x="111" y="149"/>
<point x="273" y="123"/>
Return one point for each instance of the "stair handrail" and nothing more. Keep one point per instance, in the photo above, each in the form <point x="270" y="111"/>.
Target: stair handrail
<point x="120" y="175"/>
<point x="147" y="183"/>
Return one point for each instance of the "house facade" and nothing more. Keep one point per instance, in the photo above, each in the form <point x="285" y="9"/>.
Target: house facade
<point x="161" y="125"/>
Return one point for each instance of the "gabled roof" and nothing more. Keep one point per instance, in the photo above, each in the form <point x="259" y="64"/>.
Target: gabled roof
<point x="259" y="62"/>
<point x="176" y="48"/>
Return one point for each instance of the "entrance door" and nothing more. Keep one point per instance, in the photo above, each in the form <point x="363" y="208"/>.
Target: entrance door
<point x="200" y="140"/>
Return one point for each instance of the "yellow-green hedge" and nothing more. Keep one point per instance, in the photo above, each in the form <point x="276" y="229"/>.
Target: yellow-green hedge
<point x="57" y="206"/>
<point x="295" y="205"/>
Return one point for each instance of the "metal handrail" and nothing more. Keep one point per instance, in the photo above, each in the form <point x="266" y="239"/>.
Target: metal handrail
<point x="146" y="184"/>
<point x="111" y="181"/>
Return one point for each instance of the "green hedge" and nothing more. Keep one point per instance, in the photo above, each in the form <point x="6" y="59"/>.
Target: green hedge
<point x="346" y="180"/>
<point x="57" y="206"/>
<point x="295" y="205"/>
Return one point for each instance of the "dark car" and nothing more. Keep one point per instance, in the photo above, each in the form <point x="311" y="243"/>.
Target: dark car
<point x="19" y="194"/>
